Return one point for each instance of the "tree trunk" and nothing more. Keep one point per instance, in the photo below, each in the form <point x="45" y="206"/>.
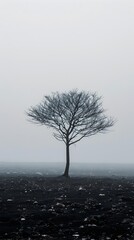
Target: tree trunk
<point x="66" y="172"/>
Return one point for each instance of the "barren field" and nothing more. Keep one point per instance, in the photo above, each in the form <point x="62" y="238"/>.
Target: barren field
<point x="38" y="207"/>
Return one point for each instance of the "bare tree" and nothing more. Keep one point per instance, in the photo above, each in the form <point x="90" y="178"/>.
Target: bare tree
<point x="73" y="116"/>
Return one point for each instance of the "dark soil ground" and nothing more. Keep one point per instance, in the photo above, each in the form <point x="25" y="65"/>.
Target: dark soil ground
<point x="37" y="207"/>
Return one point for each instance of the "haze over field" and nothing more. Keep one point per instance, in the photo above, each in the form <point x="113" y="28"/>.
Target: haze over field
<point x="78" y="169"/>
<point x="48" y="46"/>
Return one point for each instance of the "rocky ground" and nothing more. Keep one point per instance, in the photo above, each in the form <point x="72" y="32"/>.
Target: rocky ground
<point x="37" y="207"/>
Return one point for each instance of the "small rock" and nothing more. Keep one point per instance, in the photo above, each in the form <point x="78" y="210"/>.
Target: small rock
<point x="9" y="200"/>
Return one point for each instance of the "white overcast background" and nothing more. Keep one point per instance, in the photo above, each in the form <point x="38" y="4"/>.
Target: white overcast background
<point x="59" y="45"/>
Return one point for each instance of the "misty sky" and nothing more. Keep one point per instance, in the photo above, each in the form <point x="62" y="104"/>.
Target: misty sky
<point x="59" y="45"/>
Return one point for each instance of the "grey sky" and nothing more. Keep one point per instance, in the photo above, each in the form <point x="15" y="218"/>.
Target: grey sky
<point x="58" y="45"/>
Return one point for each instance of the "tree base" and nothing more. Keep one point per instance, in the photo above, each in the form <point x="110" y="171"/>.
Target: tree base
<point x="64" y="176"/>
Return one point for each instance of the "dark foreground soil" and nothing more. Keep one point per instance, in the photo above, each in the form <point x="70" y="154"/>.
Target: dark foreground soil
<point x="37" y="207"/>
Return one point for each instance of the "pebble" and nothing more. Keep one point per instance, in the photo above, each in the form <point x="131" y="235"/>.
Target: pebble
<point x="9" y="200"/>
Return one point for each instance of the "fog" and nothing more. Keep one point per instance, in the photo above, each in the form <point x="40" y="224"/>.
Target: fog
<point x="76" y="170"/>
<point x="48" y="46"/>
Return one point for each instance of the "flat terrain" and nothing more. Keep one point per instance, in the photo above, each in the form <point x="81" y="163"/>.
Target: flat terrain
<point x="38" y="207"/>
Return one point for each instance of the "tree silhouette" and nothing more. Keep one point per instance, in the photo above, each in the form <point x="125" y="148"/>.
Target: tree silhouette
<point x="73" y="115"/>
